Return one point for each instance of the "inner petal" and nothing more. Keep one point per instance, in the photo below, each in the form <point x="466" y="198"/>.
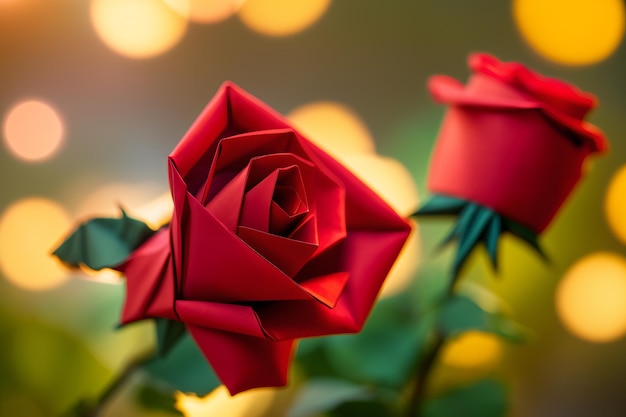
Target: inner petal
<point x="289" y="203"/>
<point x="257" y="202"/>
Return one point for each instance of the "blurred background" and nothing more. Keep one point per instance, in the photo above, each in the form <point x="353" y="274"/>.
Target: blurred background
<point x="95" y="94"/>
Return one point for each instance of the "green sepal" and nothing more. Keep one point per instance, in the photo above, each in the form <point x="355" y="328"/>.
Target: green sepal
<point x="476" y="224"/>
<point x="103" y="242"/>
<point x="440" y="205"/>
<point x="484" y="398"/>
<point x="460" y="314"/>
<point x="168" y="334"/>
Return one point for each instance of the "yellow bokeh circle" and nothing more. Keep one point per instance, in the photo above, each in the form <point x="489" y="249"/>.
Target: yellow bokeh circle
<point x="33" y="131"/>
<point x="252" y="403"/>
<point x="281" y="17"/>
<point x="571" y="32"/>
<point x="334" y="127"/>
<point x="389" y="178"/>
<point x="137" y="28"/>
<point x="473" y="349"/>
<point x="29" y="230"/>
<point x="615" y="204"/>
<point x="591" y="297"/>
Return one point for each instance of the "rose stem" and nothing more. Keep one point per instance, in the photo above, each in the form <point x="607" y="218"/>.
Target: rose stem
<point x="423" y="371"/>
<point x="118" y="383"/>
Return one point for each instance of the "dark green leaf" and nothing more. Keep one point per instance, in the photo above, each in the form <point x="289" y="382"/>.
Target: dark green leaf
<point x="385" y="351"/>
<point x="184" y="369"/>
<point x="152" y="398"/>
<point x="325" y="394"/>
<point x="485" y="398"/>
<point x="461" y="314"/>
<point x="103" y="242"/>
<point x="168" y="332"/>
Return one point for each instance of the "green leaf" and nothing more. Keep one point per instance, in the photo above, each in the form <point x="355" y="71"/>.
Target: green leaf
<point x="169" y="333"/>
<point x="324" y="394"/>
<point x="184" y="368"/>
<point x="50" y="365"/>
<point x="461" y="313"/>
<point x="155" y="399"/>
<point x="485" y="398"/>
<point x="385" y="351"/>
<point x="103" y="242"/>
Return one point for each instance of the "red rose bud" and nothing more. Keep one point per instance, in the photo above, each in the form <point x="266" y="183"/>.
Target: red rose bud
<point x="512" y="140"/>
<point x="271" y="240"/>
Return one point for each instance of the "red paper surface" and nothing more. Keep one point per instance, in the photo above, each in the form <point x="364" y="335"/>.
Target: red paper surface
<point x="512" y="140"/>
<point x="271" y="240"/>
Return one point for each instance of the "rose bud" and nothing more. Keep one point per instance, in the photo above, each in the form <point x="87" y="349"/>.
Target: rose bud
<point x="271" y="240"/>
<point x="509" y="152"/>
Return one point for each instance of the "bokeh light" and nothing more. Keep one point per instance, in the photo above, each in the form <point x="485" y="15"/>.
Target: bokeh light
<point x="333" y="127"/>
<point x="591" y="297"/>
<point x="473" y="349"/>
<point x="33" y="130"/>
<point x="281" y="17"/>
<point x="29" y="230"/>
<point x="571" y="32"/>
<point x="137" y="28"/>
<point x="144" y="199"/>
<point x="253" y="403"/>
<point x="206" y="11"/>
<point x="389" y="178"/>
<point x="615" y="204"/>
<point x="403" y="271"/>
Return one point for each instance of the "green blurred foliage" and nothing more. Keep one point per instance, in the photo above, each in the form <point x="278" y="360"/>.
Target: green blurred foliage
<point x="45" y="370"/>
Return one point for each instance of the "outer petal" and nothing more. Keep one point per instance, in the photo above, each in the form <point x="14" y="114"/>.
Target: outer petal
<point x="150" y="282"/>
<point x="368" y="256"/>
<point x="244" y="362"/>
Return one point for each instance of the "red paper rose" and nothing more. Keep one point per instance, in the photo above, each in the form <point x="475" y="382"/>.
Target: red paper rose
<point x="271" y="240"/>
<point x="512" y="140"/>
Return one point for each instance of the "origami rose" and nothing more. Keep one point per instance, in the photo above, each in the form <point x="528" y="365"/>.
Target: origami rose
<point x="512" y="140"/>
<point x="271" y="240"/>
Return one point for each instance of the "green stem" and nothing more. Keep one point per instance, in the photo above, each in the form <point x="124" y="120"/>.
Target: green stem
<point x="423" y="372"/>
<point x="426" y="366"/>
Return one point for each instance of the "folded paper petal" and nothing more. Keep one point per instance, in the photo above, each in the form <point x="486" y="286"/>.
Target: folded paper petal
<point x="510" y="86"/>
<point x="274" y="248"/>
<point x="243" y="362"/>
<point x="368" y="256"/>
<point x="150" y="283"/>
<point x="229" y="271"/>
<point x="513" y="163"/>
<point x="233" y="318"/>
